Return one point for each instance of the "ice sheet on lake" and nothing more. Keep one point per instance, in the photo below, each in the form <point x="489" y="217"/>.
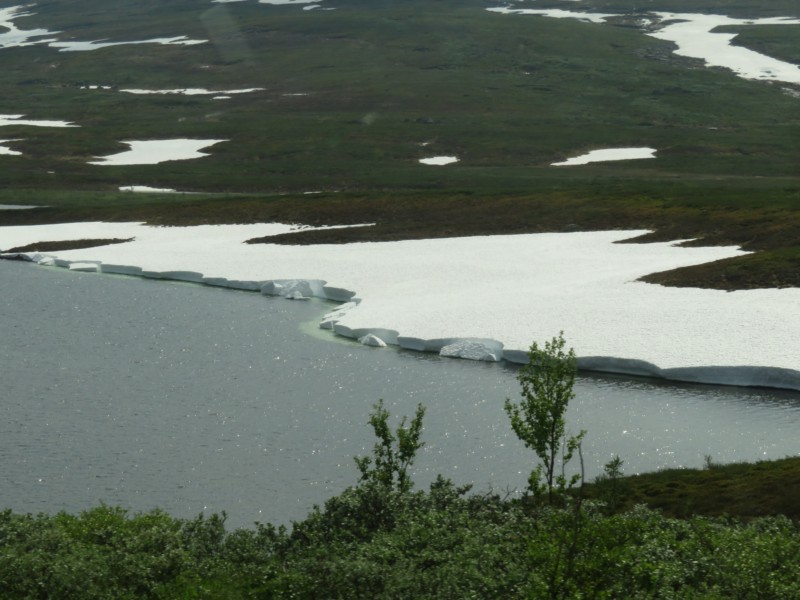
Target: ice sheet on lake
<point x="152" y="152"/>
<point x="511" y="289"/>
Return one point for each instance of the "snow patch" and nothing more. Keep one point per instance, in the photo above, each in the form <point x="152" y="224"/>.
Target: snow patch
<point x="15" y="37"/>
<point x="153" y="152"/>
<point x="554" y="12"/>
<point x="146" y="189"/>
<point x="8" y="151"/>
<point x="180" y="40"/>
<point x="608" y="154"/>
<point x="439" y="160"/>
<point x="191" y="91"/>
<point x="18" y="120"/>
<point x="695" y="36"/>
<point x="17" y="207"/>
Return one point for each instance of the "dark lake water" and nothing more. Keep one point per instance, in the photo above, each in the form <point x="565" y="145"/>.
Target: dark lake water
<point x="190" y="398"/>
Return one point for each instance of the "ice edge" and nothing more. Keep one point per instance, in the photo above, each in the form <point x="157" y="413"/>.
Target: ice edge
<point x="468" y="348"/>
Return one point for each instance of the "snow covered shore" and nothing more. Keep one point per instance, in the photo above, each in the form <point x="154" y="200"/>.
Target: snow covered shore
<point x="484" y="298"/>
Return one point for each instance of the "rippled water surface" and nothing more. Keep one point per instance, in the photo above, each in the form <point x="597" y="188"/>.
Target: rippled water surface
<point x="189" y="398"/>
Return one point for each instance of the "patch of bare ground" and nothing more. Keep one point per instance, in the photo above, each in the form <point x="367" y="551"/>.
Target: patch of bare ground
<point x="56" y="246"/>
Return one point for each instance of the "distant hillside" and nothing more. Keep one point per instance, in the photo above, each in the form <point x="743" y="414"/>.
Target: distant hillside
<point x="347" y="96"/>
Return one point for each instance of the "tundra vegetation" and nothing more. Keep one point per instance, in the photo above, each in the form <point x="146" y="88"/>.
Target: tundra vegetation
<point x="354" y="97"/>
<point x="381" y="538"/>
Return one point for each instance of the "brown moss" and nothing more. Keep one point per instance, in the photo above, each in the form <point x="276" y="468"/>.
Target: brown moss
<point x="768" y="269"/>
<point x="56" y="246"/>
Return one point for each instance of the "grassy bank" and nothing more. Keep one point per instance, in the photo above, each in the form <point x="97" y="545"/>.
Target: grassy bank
<point x="739" y="491"/>
<point x="758" y="216"/>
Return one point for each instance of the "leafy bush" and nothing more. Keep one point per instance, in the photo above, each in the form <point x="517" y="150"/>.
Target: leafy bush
<point x="383" y="539"/>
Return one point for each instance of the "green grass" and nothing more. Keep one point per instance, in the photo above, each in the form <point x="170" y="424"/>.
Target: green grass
<point x="778" y="41"/>
<point x="740" y="490"/>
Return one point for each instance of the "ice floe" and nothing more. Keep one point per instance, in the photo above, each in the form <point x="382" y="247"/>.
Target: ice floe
<point x="500" y="291"/>
<point x="153" y="152"/>
<point x="608" y="154"/>
<point x="439" y="160"/>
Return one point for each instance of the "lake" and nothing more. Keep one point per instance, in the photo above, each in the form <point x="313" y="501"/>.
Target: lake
<point x="190" y="398"/>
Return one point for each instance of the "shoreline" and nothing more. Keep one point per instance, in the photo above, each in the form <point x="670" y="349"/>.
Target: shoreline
<point x="355" y="319"/>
